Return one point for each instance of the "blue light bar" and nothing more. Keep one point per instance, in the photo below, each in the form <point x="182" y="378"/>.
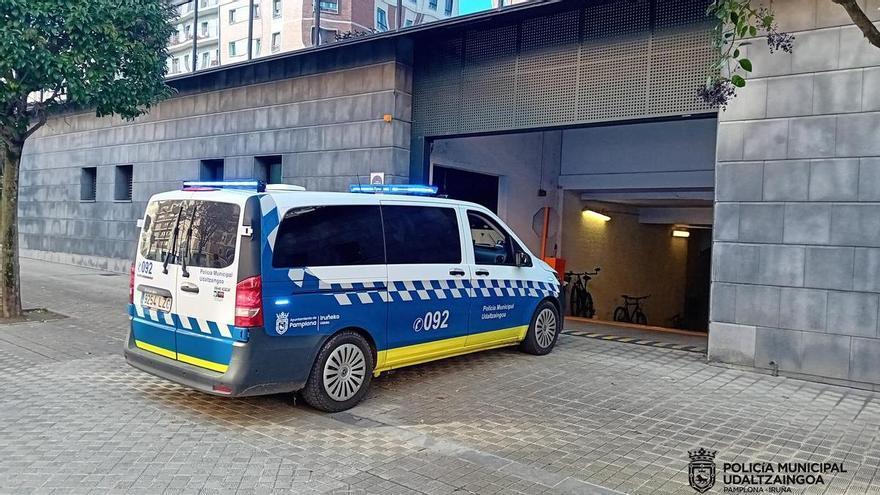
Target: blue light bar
<point x="410" y="189"/>
<point x="245" y="184"/>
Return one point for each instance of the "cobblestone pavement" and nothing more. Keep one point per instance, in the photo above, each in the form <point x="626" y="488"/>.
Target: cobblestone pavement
<point x="593" y="414"/>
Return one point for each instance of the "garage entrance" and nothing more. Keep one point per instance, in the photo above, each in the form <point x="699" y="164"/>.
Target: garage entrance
<point x="467" y="186"/>
<point x="634" y="199"/>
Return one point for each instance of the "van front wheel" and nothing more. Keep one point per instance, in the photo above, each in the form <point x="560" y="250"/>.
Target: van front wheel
<point x="543" y="330"/>
<point x="341" y="374"/>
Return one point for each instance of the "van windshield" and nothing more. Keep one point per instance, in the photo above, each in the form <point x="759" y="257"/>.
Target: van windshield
<point x="207" y="232"/>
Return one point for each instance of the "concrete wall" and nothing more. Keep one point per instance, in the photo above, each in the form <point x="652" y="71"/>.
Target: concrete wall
<point x="636" y="259"/>
<point x="327" y="125"/>
<point x="796" y="268"/>
<point x="524" y="163"/>
<point x="673" y="154"/>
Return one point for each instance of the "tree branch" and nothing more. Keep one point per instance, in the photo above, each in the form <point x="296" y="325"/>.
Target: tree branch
<point x="861" y="20"/>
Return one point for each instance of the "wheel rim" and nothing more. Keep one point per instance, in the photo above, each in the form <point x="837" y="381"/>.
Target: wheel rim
<point x="545" y="327"/>
<point x="344" y="372"/>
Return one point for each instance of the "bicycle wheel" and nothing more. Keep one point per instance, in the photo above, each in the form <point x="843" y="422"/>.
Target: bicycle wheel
<point x="639" y="318"/>
<point x="589" y="309"/>
<point x="620" y="314"/>
<point x="573" y="301"/>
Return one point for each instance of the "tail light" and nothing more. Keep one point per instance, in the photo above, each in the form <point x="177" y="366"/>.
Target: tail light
<point x="131" y="284"/>
<point x="249" y="302"/>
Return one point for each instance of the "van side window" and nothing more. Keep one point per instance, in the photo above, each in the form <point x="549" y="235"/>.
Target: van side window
<point x="421" y="234"/>
<point x="330" y="236"/>
<point x="491" y="244"/>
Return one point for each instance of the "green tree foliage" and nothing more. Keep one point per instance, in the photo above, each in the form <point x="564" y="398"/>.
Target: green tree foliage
<point x="108" y="56"/>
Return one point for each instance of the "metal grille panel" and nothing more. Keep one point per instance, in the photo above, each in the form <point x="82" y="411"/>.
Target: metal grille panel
<point x="621" y="60"/>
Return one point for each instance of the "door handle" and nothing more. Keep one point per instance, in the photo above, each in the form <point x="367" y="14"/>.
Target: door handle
<point x="482" y="272"/>
<point x="457" y="272"/>
<point x="190" y="288"/>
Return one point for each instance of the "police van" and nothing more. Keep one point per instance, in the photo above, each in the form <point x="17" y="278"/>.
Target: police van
<point x="240" y="288"/>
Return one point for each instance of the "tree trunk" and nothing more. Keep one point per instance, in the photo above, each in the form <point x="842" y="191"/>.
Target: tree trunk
<point x="10" y="289"/>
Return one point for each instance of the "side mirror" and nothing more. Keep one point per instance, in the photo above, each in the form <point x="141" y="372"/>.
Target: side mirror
<point x="523" y="259"/>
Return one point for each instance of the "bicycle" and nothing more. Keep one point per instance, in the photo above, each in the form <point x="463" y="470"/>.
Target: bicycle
<point x="636" y="315"/>
<point x="581" y="301"/>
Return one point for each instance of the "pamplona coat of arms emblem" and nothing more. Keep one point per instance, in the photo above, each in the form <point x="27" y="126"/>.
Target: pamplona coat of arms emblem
<point x="281" y="323"/>
<point x="701" y="469"/>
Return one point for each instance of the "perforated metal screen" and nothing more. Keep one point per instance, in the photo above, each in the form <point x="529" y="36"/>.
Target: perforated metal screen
<point x="620" y="60"/>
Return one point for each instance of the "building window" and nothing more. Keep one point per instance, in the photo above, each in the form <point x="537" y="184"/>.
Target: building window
<point x="268" y="169"/>
<point x="206" y="59"/>
<point x="175" y="65"/>
<point x="88" y="184"/>
<point x="381" y="20"/>
<point x="408" y="22"/>
<point x="327" y="35"/>
<point x="432" y="4"/>
<point x="236" y="46"/>
<point x="204" y="30"/>
<point x="330" y="5"/>
<point x="233" y="17"/>
<point x="276" y="42"/>
<point x="186" y="65"/>
<point x="211" y="170"/>
<point x="256" y="12"/>
<point x="276" y="8"/>
<point x="449" y="7"/>
<point x="124" y="183"/>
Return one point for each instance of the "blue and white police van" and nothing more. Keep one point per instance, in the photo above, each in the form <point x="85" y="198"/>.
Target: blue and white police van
<point x="243" y="289"/>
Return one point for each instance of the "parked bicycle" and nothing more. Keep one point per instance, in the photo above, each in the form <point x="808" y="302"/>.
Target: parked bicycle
<point x="580" y="300"/>
<point x="631" y="310"/>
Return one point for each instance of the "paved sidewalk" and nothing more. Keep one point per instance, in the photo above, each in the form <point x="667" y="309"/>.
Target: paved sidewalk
<point x="593" y="414"/>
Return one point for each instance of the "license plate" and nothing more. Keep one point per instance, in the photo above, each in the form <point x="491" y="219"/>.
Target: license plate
<point x="155" y="301"/>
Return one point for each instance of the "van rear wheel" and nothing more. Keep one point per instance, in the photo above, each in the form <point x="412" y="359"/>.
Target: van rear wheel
<point x="341" y="374"/>
<point x="543" y="330"/>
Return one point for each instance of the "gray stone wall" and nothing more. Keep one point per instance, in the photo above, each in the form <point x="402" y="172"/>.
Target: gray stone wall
<point x="796" y="263"/>
<point x="327" y="126"/>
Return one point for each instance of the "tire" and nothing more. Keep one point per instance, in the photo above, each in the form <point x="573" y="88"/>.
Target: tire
<point x="333" y="383"/>
<point x="543" y="330"/>
<point x="620" y="314"/>
<point x="639" y="318"/>
<point x="590" y="310"/>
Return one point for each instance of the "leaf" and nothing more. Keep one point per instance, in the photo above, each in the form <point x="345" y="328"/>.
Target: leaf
<point x="737" y="81"/>
<point x="736" y="53"/>
<point x="746" y="64"/>
<point x="753" y="31"/>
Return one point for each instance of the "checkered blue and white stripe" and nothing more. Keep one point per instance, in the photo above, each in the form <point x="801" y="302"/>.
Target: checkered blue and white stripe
<point x="186" y="322"/>
<point x="347" y="294"/>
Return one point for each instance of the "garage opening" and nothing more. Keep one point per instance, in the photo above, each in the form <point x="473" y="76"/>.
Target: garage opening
<point x="467" y="186"/>
<point x="634" y="199"/>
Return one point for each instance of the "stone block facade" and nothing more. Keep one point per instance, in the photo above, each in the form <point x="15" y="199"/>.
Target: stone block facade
<point x="325" y="123"/>
<point x="797" y="219"/>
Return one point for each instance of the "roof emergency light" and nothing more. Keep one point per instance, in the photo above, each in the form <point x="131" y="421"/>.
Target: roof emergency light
<point x="409" y="189"/>
<point x="245" y="184"/>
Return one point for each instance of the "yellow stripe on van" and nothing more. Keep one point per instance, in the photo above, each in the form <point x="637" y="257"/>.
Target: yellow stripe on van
<point x="439" y="349"/>
<point x="156" y="349"/>
<point x="202" y="363"/>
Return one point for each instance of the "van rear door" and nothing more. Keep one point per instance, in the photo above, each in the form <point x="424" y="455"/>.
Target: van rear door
<point x="208" y="274"/>
<point x="156" y="273"/>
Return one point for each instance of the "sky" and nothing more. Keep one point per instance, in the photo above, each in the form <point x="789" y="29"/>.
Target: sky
<point x="471" y="6"/>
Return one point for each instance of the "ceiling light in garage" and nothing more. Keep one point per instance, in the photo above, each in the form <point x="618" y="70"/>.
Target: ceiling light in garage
<point x="596" y="215"/>
<point x="680" y="233"/>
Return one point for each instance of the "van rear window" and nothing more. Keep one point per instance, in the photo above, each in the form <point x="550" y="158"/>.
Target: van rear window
<point x="207" y="232"/>
<point x="337" y="235"/>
